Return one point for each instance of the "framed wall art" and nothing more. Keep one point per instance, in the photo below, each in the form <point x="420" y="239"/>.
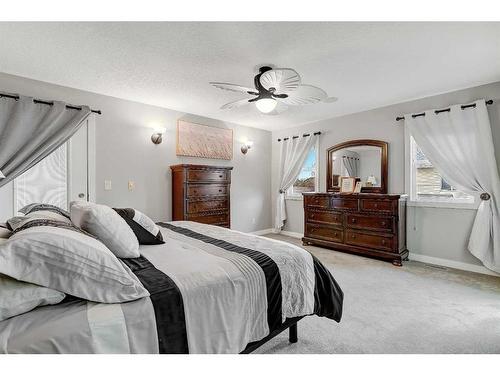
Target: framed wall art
<point x="204" y="141"/>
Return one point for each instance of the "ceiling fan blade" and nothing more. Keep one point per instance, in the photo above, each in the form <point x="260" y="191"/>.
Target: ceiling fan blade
<point x="234" y="87"/>
<point x="235" y="104"/>
<point x="281" y="96"/>
<point x="304" y="94"/>
<point x="330" y="99"/>
<point x="282" y="80"/>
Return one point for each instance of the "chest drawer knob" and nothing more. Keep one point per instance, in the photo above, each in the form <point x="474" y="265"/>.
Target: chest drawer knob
<point x="375" y="205"/>
<point x="383" y="242"/>
<point x="383" y="223"/>
<point x="353" y="236"/>
<point x="353" y="220"/>
<point x="220" y="176"/>
<point x="335" y="234"/>
<point x="312" y="216"/>
<point x="220" y="190"/>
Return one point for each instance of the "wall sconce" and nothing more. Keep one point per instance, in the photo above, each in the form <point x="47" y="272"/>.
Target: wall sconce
<point x="157" y="136"/>
<point x="247" y="145"/>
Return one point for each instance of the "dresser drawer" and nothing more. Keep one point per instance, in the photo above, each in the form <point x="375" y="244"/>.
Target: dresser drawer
<point x="378" y="223"/>
<point x="200" y="175"/>
<point x="369" y="240"/>
<point x="211" y="205"/>
<point x="204" y="190"/>
<point x="378" y="205"/>
<point x="327" y="217"/>
<point x="317" y="201"/>
<point x="216" y="219"/>
<point x="345" y="203"/>
<point x="324" y="233"/>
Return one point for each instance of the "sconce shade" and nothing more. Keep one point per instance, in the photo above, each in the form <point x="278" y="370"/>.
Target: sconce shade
<point x="157" y="138"/>
<point x="1" y="175"/>
<point x="246" y="146"/>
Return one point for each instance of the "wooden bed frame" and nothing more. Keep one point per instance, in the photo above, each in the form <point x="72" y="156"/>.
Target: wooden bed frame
<point x="290" y="323"/>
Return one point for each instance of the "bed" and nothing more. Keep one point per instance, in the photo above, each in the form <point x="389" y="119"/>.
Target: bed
<point x="212" y="290"/>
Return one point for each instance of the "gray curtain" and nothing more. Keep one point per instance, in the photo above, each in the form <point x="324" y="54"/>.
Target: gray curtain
<point x="29" y="132"/>
<point x="351" y="165"/>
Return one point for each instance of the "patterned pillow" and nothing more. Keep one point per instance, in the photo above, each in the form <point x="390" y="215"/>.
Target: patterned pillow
<point x="33" y="207"/>
<point x="19" y="221"/>
<point x="4" y="231"/>
<point x="59" y="256"/>
<point x="146" y="231"/>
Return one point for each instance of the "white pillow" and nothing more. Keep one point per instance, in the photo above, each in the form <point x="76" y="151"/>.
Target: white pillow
<point x="61" y="257"/>
<point x="18" y="297"/>
<point x="105" y="224"/>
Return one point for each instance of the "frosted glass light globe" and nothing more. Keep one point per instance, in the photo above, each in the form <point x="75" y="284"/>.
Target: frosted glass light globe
<point x="266" y="105"/>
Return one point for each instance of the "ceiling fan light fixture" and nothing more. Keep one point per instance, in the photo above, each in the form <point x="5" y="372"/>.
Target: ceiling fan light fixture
<point x="266" y="105"/>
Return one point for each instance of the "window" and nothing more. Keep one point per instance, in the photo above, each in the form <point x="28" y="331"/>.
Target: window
<point x="308" y="176"/>
<point x="428" y="186"/>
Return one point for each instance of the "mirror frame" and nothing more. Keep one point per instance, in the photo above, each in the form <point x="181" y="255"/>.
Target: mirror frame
<point x="382" y="189"/>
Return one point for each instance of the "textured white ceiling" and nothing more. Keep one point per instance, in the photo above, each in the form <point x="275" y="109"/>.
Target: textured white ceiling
<point x="365" y="65"/>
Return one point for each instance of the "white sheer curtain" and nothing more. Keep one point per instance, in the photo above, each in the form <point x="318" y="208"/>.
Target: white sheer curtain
<point x="293" y="153"/>
<point x="460" y="146"/>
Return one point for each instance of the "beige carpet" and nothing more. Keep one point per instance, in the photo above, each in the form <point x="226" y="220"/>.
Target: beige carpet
<point x="417" y="308"/>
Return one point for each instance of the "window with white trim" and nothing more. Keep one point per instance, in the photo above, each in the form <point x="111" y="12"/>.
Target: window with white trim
<point x="307" y="180"/>
<point x="427" y="186"/>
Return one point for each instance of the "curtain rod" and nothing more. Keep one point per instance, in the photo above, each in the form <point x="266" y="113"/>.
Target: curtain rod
<point x="488" y="102"/>
<point x="296" y="136"/>
<point x="38" y="101"/>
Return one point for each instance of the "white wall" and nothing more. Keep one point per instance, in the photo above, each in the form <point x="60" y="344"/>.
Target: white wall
<point x="125" y="152"/>
<point x="435" y="232"/>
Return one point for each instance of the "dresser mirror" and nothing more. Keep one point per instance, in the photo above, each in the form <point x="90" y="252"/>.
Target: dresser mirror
<point x="363" y="159"/>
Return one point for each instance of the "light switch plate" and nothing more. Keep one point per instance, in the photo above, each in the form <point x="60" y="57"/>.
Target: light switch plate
<point x="107" y="185"/>
<point x="131" y="185"/>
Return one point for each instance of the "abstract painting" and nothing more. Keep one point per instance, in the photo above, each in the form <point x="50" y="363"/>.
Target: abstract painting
<point x="204" y="141"/>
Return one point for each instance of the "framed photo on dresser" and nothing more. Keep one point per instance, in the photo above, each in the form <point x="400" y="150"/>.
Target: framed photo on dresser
<point x="347" y="184"/>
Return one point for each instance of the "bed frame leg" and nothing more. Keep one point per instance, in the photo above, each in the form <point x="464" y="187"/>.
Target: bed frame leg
<point x="292" y="334"/>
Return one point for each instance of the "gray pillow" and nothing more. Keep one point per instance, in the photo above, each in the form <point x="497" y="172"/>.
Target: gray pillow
<point x="4" y="231"/>
<point x="106" y="225"/>
<point x="18" y="297"/>
<point x="60" y="256"/>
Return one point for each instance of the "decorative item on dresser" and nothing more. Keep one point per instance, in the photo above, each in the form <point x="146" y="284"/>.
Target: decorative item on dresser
<point x="364" y="223"/>
<point x="201" y="193"/>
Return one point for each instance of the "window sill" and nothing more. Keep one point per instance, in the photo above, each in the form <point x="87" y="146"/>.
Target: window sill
<point x="294" y="197"/>
<point x="450" y="205"/>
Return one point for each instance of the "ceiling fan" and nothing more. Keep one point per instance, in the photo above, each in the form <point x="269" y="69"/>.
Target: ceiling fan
<point x="276" y="86"/>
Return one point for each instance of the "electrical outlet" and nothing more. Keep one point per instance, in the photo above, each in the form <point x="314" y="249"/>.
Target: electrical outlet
<point x="107" y="185"/>
<point x="131" y="185"/>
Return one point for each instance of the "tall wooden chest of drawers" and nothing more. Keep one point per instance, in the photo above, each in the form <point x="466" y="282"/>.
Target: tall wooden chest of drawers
<point x="364" y="224"/>
<point x="201" y="193"/>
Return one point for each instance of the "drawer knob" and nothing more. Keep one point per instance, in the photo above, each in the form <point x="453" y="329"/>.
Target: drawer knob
<point x="335" y="234"/>
<point x="375" y="205"/>
<point x="312" y="216"/>
<point x="312" y="230"/>
<point x="383" y="242"/>
<point x="220" y="176"/>
<point x="353" y="220"/>
<point x="353" y="236"/>
<point x="220" y="190"/>
<point x="383" y="223"/>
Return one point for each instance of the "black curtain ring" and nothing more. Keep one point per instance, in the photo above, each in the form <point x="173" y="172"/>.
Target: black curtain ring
<point x="485" y="197"/>
<point x="282" y="192"/>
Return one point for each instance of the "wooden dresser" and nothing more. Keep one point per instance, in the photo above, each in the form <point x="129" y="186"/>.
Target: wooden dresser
<point x="201" y="193"/>
<point x="365" y="224"/>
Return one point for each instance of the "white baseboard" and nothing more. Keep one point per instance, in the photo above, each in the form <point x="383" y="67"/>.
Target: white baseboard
<point x="283" y="232"/>
<point x="262" y="232"/>
<point x="291" y="234"/>
<point x="452" y="264"/>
